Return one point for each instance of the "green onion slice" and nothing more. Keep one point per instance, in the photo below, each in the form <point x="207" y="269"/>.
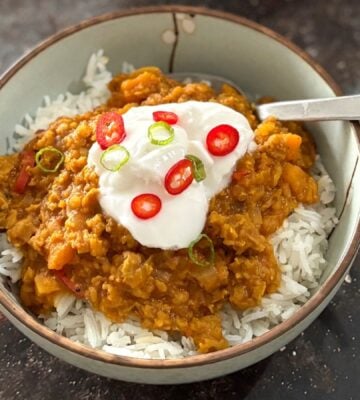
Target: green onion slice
<point x="195" y="257"/>
<point x="48" y="150"/>
<point x="161" y="133"/>
<point x="114" y="157"/>
<point x="197" y="167"/>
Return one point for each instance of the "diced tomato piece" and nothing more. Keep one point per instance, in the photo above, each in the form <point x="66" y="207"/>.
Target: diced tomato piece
<point x="165" y="116"/>
<point x="146" y="205"/>
<point x="222" y="140"/>
<point x="110" y="129"/>
<point x="179" y="177"/>
<point x="238" y="175"/>
<point x="27" y="160"/>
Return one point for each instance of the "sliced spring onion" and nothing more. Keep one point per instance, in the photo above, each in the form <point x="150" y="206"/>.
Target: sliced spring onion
<point x="198" y="260"/>
<point x="197" y="167"/>
<point x="161" y="133"/>
<point x="46" y="150"/>
<point x="114" y="157"/>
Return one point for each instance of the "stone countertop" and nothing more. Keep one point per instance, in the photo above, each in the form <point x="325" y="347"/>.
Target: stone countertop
<point x="322" y="363"/>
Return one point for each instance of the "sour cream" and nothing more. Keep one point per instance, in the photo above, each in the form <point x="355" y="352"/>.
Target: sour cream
<point x="182" y="217"/>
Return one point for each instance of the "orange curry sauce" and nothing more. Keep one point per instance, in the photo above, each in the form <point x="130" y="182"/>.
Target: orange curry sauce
<point x="70" y="244"/>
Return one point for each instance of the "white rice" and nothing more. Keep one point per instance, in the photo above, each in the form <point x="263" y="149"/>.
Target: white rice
<point x="300" y="246"/>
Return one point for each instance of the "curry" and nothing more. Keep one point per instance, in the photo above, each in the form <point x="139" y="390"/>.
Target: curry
<point x="69" y="244"/>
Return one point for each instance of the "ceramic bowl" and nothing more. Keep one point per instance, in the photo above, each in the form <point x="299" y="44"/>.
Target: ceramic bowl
<point x="190" y="39"/>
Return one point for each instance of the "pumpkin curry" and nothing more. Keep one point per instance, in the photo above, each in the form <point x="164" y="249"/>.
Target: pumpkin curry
<point x="51" y="212"/>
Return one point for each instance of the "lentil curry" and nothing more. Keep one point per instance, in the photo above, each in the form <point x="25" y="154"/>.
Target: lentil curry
<point x="68" y="243"/>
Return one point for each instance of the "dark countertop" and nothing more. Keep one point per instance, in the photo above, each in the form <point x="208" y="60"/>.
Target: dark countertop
<point x="322" y="363"/>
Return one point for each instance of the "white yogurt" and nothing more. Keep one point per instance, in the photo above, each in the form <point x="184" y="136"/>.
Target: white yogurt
<point x="182" y="217"/>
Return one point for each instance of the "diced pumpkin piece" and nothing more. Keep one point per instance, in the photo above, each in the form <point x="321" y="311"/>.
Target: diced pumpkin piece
<point x="293" y="143"/>
<point x="45" y="284"/>
<point x="21" y="232"/>
<point x="266" y="129"/>
<point x="302" y="185"/>
<point x="283" y="146"/>
<point x="60" y="255"/>
<point x="140" y="87"/>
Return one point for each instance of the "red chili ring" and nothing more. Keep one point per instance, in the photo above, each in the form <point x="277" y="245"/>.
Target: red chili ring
<point x="222" y="140"/>
<point x="165" y="116"/>
<point x="146" y="205"/>
<point x="179" y="177"/>
<point x="110" y="129"/>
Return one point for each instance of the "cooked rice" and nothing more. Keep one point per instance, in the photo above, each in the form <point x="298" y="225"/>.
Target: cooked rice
<point x="299" y="245"/>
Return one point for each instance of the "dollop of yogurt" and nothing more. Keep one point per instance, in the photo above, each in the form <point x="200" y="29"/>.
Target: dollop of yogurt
<point x="183" y="216"/>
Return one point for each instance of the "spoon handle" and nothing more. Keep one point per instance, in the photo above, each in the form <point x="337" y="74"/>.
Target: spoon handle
<point x="335" y="108"/>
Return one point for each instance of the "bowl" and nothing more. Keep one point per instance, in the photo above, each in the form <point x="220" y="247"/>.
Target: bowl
<point x="177" y="38"/>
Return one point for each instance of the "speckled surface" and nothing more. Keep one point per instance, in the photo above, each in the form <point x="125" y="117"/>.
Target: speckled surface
<point x="322" y="363"/>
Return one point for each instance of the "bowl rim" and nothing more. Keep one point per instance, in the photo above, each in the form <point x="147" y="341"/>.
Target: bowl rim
<point x="25" y="319"/>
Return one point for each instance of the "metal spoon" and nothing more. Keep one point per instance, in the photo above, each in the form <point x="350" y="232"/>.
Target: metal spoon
<point x="328" y="109"/>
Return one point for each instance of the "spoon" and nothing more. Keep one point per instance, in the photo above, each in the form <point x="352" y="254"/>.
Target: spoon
<point x="327" y="109"/>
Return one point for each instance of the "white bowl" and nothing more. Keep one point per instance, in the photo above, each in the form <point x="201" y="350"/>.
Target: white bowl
<point x="190" y="39"/>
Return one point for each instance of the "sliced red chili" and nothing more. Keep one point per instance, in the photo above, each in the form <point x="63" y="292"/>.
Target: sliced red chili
<point x="165" y="116"/>
<point x="68" y="283"/>
<point x="146" y="205"/>
<point x="179" y="177"/>
<point x="222" y="140"/>
<point x="110" y="129"/>
<point x="27" y="160"/>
